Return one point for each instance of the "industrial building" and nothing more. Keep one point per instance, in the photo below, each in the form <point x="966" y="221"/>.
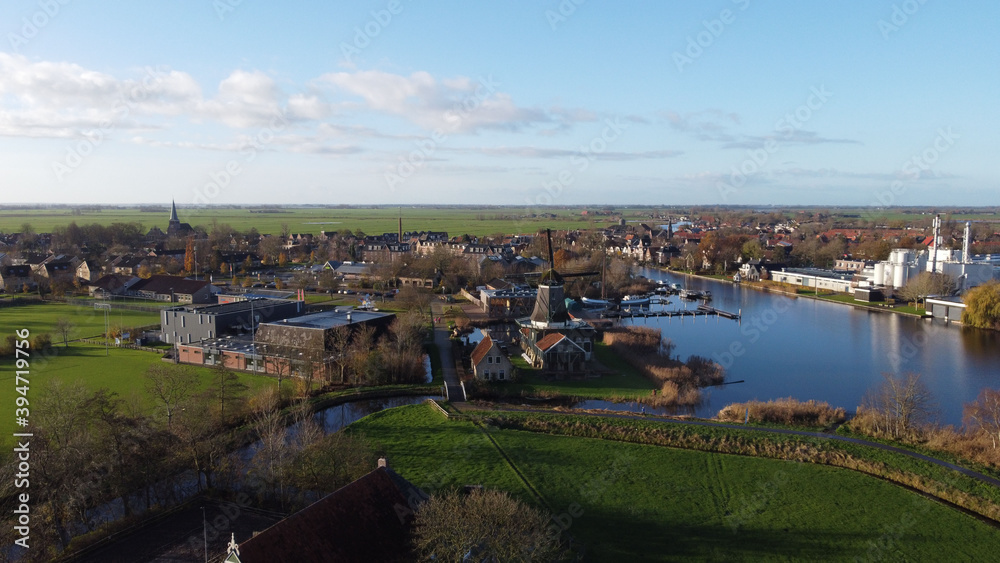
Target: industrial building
<point x="192" y="323"/>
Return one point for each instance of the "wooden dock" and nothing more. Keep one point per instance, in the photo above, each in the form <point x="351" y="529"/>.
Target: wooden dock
<point x="702" y="310"/>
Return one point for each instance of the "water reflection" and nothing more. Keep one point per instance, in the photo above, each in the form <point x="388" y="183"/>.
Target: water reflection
<point x="811" y="349"/>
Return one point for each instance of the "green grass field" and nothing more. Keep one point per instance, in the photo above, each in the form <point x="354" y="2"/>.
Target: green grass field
<point x="121" y="371"/>
<point x="86" y="321"/>
<point x="454" y="220"/>
<point x="648" y="503"/>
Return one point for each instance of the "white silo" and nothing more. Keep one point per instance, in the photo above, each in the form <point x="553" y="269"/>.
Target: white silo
<point x="880" y="273"/>
<point x="899" y="276"/>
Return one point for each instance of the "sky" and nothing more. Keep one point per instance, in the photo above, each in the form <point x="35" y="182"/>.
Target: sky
<point x="527" y="103"/>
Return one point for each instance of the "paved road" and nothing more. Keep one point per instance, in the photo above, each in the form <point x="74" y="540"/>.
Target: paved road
<point x="456" y="393"/>
<point x="823" y="435"/>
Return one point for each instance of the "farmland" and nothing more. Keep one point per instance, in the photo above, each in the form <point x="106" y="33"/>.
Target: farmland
<point x="649" y="503"/>
<point x="454" y="220"/>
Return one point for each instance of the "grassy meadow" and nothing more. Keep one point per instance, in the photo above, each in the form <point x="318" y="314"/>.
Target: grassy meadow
<point x="86" y="321"/>
<point x="650" y="503"/>
<point x="120" y="370"/>
<point x="454" y="220"/>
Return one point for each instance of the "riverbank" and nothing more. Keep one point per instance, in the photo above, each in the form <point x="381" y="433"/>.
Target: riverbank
<point x="841" y="298"/>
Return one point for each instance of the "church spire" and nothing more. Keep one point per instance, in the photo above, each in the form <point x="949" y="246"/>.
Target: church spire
<point x="173" y="211"/>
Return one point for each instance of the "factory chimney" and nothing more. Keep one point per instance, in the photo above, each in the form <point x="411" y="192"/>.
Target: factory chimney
<point x="966" y="242"/>
<point x="934" y="242"/>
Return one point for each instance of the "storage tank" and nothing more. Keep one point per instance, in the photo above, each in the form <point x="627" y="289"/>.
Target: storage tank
<point x="880" y="273"/>
<point x="899" y="275"/>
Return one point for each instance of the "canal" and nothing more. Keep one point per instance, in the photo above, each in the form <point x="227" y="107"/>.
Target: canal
<point x="811" y="349"/>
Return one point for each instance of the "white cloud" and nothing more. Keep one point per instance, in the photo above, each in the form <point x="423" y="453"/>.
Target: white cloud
<point x="460" y="105"/>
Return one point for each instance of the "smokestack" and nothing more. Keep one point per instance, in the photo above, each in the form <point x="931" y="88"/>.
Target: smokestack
<point x="934" y="242"/>
<point x="966" y="242"/>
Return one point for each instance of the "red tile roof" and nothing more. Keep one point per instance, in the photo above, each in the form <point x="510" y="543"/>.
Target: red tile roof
<point x="481" y="350"/>
<point x="550" y="340"/>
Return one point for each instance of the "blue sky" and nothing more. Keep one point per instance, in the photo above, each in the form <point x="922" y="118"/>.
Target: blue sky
<point x="522" y="103"/>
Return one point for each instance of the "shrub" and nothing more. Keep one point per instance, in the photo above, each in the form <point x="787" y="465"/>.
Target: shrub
<point x="784" y="411"/>
<point x="646" y="350"/>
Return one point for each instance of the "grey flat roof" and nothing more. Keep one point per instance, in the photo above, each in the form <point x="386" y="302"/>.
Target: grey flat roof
<point x="233" y="307"/>
<point x="330" y="319"/>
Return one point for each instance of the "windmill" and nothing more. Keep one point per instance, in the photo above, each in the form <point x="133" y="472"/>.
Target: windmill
<point x="550" y="339"/>
<point x="550" y="302"/>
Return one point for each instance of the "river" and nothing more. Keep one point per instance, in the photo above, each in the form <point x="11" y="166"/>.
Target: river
<point x="812" y="349"/>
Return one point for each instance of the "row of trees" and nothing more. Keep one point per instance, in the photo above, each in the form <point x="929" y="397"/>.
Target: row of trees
<point x="92" y="447"/>
<point x="903" y="408"/>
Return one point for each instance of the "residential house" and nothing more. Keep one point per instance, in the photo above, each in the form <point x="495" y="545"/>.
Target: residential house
<point x="14" y="278"/>
<point x="174" y="289"/>
<point x="128" y="265"/>
<point x="57" y="271"/>
<point x="111" y="284"/>
<point x="490" y="361"/>
<point x="89" y="270"/>
<point x="560" y="353"/>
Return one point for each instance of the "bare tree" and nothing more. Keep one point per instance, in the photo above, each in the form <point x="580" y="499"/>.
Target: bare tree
<point x="338" y="341"/>
<point x="64" y="326"/>
<point x="488" y="525"/>
<point x="984" y="413"/>
<point x="926" y="284"/>
<point x="170" y="386"/>
<point x="226" y="388"/>
<point x="900" y="405"/>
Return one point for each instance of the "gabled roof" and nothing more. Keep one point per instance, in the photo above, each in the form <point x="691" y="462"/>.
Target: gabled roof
<point x="550" y="340"/>
<point x="112" y="281"/>
<point x="367" y="520"/>
<point x="21" y="271"/>
<point x="481" y="350"/>
<point x="167" y="284"/>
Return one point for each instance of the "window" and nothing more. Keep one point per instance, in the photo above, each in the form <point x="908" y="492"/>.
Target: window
<point x="501" y="375"/>
<point x="200" y="320"/>
<point x="182" y="321"/>
<point x="497" y="359"/>
<point x="489" y="359"/>
<point x="486" y="374"/>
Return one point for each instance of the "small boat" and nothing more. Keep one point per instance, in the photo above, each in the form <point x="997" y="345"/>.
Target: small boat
<point x="596" y="303"/>
<point x="676" y="286"/>
<point x="689" y="294"/>
<point x="634" y="301"/>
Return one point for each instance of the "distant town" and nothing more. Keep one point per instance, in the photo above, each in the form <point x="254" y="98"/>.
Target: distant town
<point x="199" y="365"/>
